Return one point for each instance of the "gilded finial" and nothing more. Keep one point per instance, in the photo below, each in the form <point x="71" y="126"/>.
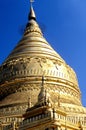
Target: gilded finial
<point x="31" y="1"/>
<point x="32" y="13"/>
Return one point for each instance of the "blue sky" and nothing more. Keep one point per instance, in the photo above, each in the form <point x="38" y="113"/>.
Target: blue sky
<point x="64" y="26"/>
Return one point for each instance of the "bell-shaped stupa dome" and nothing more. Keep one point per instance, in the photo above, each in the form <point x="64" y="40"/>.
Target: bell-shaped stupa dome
<point x="33" y="57"/>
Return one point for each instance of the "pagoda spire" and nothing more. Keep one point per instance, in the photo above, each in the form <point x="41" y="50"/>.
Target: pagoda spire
<point x="32" y="12"/>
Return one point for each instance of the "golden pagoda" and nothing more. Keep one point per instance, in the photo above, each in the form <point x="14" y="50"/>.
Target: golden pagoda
<point x="38" y="90"/>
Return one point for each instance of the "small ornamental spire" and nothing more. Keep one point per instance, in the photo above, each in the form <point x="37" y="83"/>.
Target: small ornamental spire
<point x="32" y="13"/>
